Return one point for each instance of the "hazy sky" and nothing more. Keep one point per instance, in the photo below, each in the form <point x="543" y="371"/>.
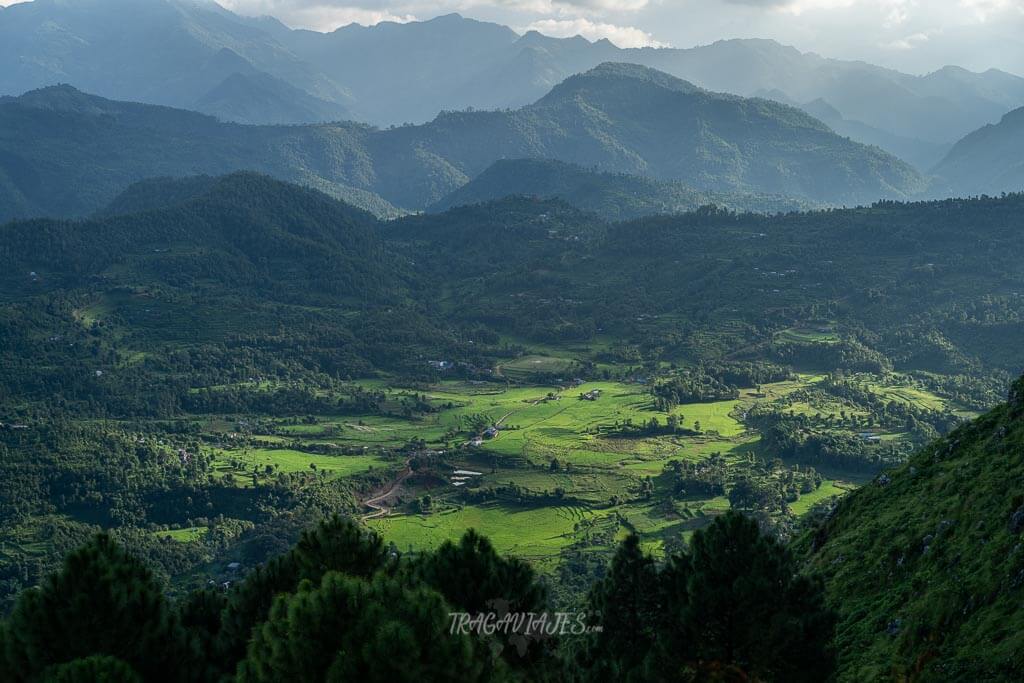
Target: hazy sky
<point x="912" y="35"/>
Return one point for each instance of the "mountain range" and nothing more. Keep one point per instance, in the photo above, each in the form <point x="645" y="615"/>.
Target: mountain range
<point x="63" y="152"/>
<point x="195" y="54"/>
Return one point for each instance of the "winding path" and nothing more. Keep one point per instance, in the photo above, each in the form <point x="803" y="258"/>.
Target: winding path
<point x="379" y="509"/>
<point x="376" y="502"/>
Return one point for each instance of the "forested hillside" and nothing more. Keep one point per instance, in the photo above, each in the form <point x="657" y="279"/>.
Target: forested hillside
<point x="219" y="259"/>
<point x="63" y="152"/>
<point x="631" y="119"/>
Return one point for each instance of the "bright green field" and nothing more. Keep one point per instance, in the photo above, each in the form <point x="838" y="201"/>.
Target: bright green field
<point x="536" y="428"/>
<point x="912" y="395"/>
<point x="539" y="430"/>
<point x="539" y="424"/>
<point x="530" y="533"/>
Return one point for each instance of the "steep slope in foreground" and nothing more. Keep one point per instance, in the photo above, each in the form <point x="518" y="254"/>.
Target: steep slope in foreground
<point x="613" y="196"/>
<point x="926" y="565"/>
<point x="989" y="160"/>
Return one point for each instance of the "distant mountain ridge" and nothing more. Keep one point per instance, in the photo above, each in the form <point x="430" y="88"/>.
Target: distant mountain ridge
<point x="63" y="152"/>
<point x="923" y="155"/>
<point x="189" y="53"/>
<point x="988" y="161"/>
<point x="182" y="53"/>
<point x="612" y="196"/>
<point x="66" y="153"/>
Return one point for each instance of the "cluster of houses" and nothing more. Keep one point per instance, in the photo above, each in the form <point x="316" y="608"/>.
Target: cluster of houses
<point x="462" y="477"/>
<point x="447" y="366"/>
<point x="591" y="395"/>
<point x="488" y="433"/>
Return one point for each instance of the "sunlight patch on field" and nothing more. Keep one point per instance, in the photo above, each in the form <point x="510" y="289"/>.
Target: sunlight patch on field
<point x="530" y="533"/>
<point x="827" y="489"/>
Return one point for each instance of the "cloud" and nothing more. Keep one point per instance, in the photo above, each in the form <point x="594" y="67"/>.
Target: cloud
<point x="606" y="5"/>
<point x="622" y="36"/>
<point x="911" y="35"/>
<point x="328" y="14"/>
<point x="895" y="11"/>
<point x="322" y="15"/>
<point x="907" y="42"/>
<point x="983" y="9"/>
<point x="795" y="6"/>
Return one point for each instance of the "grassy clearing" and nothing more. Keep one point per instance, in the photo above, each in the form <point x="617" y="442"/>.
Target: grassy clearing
<point x="827" y="489"/>
<point x="808" y="335"/>
<point x="527" y="365"/>
<point x="592" y="487"/>
<point x="713" y="417"/>
<point x="539" y="424"/>
<point x="186" y="535"/>
<point x="288" y="460"/>
<point x="570" y="429"/>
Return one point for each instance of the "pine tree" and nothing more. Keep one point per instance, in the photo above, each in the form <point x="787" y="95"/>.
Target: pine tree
<point x="200" y="614"/>
<point x="625" y="605"/>
<point x="102" y="602"/>
<point x="336" y="544"/>
<point x="350" y="629"/>
<point x="94" y="669"/>
<point x="737" y="606"/>
<point x="473" y="578"/>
